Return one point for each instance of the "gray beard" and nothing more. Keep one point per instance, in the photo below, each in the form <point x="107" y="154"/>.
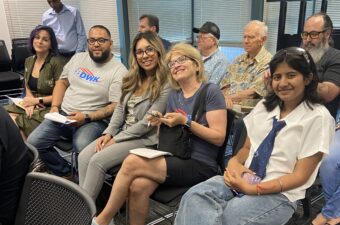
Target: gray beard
<point x="318" y="52"/>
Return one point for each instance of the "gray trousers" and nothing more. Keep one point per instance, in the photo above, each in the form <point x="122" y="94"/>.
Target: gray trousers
<point x="93" y="166"/>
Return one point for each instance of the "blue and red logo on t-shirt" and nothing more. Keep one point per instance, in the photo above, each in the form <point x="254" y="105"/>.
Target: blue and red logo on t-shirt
<point x="87" y="75"/>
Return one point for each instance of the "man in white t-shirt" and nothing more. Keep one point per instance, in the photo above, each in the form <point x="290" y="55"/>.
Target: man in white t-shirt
<point x="87" y="91"/>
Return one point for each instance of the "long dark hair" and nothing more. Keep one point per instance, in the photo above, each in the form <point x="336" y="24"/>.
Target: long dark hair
<point x="301" y="61"/>
<point x="54" y="43"/>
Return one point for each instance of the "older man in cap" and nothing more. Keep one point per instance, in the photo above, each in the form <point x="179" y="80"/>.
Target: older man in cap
<point x="215" y="62"/>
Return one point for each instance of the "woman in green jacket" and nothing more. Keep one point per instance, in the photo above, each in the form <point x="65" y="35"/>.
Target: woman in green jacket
<point x="42" y="70"/>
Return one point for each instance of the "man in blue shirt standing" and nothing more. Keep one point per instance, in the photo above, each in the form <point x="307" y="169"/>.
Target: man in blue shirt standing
<point x="215" y="62"/>
<point x="68" y="27"/>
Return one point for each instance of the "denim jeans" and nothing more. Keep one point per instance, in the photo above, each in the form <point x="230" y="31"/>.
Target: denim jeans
<point x="48" y="133"/>
<point x="213" y="203"/>
<point x="330" y="179"/>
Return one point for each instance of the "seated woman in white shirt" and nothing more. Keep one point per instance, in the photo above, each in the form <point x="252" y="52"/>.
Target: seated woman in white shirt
<point x="261" y="192"/>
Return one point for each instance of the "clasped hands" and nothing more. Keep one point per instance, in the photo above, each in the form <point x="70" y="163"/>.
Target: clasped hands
<point x="29" y="103"/>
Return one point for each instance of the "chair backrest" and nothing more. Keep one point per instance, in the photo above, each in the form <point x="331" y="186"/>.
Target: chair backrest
<point x="5" y="61"/>
<point x="223" y="148"/>
<point x="20" y="52"/>
<point x="336" y="38"/>
<point x="33" y="154"/>
<point x="48" y="199"/>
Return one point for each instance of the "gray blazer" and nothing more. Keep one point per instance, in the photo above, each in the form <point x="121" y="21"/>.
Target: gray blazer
<point x="140" y="129"/>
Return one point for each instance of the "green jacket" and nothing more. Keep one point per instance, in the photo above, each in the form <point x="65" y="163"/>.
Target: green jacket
<point x="49" y="73"/>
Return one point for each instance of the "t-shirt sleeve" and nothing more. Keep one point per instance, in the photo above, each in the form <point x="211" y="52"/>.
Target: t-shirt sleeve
<point x="214" y="99"/>
<point x="116" y="84"/>
<point x="317" y="135"/>
<point x="332" y="69"/>
<point x="67" y="67"/>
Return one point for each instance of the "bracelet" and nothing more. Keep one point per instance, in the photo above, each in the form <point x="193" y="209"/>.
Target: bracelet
<point x="257" y="190"/>
<point x="54" y="106"/>
<point x="281" y="186"/>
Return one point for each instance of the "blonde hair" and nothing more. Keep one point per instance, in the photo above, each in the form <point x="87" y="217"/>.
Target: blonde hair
<point x="135" y="76"/>
<point x="193" y="54"/>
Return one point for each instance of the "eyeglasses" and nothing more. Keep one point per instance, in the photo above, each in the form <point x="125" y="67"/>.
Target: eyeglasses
<point x="180" y="60"/>
<point x="100" y="41"/>
<point x="312" y="34"/>
<point x="149" y="51"/>
<point x="205" y="36"/>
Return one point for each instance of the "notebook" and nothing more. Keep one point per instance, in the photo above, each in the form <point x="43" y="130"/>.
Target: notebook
<point x="149" y="153"/>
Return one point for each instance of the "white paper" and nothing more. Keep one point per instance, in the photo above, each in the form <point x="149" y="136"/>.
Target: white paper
<point x="17" y="101"/>
<point x="148" y="153"/>
<point x="56" y="117"/>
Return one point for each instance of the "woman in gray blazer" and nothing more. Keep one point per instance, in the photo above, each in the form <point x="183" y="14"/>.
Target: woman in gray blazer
<point x="144" y="89"/>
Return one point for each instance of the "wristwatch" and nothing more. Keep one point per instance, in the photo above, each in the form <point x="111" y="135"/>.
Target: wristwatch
<point x="41" y="100"/>
<point x="188" y="122"/>
<point x="87" y="118"/>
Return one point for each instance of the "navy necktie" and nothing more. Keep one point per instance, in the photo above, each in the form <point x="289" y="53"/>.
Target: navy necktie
<point x="264" y="151"/>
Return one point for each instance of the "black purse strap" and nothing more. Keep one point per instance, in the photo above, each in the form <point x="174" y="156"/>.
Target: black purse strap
<point x="199" y="105"/>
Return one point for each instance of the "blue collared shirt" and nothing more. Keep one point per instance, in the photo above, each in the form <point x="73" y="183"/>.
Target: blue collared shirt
<point x="68" y="28"/>
<point x="216" y="66"/>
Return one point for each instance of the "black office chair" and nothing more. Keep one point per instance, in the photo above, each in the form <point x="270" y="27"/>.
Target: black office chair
<point x="11" y="83"/>
<point x="65" y="145"/>
<point x="171" y="196"/>
<point x="33" y="154"/>
<point x="336" y="38"/>
<point x="20" y="52"/>
<point x="48" y="199"/>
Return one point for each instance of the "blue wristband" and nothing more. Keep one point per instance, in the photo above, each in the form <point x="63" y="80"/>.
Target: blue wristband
<point x="188" y="123"/>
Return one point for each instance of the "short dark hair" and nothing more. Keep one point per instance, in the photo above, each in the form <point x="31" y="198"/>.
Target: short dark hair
<point x="49" y="30"/>
<point x="152" y="20"/>
<point x="102" y="27"/>
<point x="300" y="60"/>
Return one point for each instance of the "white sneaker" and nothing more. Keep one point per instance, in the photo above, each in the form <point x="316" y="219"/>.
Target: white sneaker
<point x="95" y="223"/>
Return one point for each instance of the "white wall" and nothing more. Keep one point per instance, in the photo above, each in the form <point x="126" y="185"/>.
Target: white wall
<point x="4" y="32"/>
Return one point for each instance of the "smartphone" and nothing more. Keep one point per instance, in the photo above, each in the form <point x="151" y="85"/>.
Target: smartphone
<point x="153" y="114"/>
<point x="251" y="178"/>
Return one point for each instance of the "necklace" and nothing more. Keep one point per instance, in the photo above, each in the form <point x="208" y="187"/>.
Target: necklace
<point x="182" y="99"/>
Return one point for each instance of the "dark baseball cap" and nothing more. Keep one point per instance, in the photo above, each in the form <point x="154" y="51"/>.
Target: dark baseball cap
<point x="208" y="27"/>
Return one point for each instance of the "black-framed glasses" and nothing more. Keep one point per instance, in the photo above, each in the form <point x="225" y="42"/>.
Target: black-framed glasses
<point x="179" y="60"/>
<point x="100" y="41"/>
<point x="312" y="34"/>
<point x="149" y="51"/>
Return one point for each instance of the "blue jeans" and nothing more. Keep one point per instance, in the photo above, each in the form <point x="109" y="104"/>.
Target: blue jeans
<point x="330" y="179"/>
<point x="212" y="202"/>
<point x="48" y="133"/>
